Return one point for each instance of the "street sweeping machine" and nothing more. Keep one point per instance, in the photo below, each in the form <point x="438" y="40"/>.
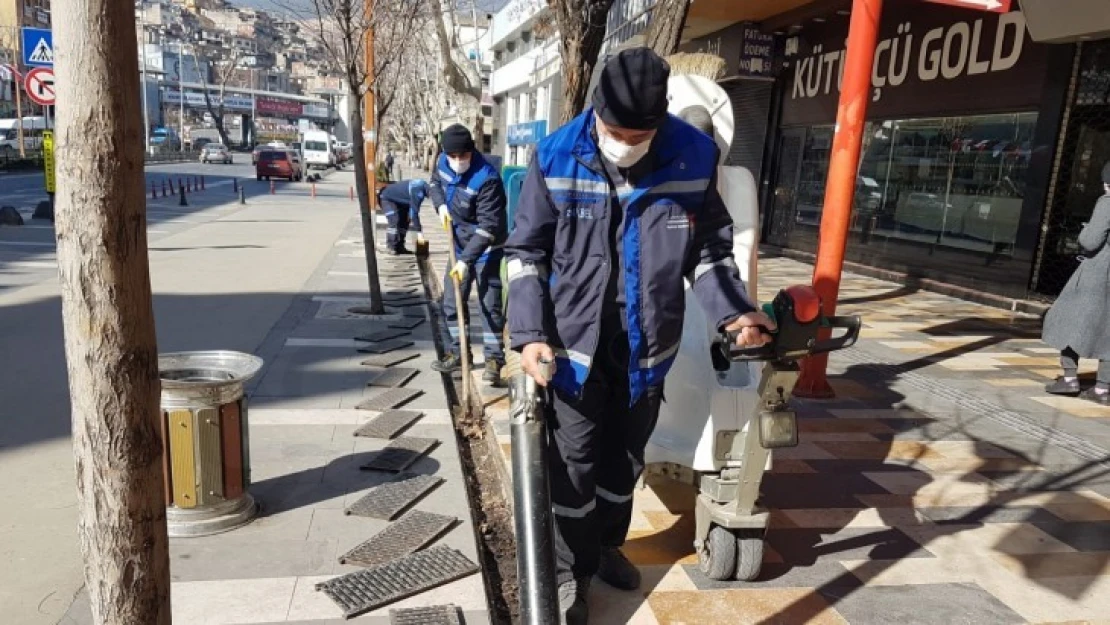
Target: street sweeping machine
<point x="726" y="408"/>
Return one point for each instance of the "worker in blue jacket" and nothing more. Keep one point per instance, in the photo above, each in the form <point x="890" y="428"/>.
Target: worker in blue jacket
<point x="467" y="191"/>
<point x="618" y="208"/>
<point x="400" y="202"/>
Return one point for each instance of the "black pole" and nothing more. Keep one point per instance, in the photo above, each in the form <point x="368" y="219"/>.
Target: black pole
<point x="535" y="549"/>
<point x="182" y="201"/>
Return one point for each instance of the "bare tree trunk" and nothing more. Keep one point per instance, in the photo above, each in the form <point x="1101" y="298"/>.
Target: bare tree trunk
<point x="107" y="315"/>
<point x="582" y="28"/>
<point x="363" y="190"/>
<point x="664" y="33"/>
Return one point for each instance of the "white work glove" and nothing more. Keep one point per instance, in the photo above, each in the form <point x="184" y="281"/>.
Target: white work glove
<point x="530" y="358"/>
<point x="459" y="271"/>
<point x="444" y="215"/>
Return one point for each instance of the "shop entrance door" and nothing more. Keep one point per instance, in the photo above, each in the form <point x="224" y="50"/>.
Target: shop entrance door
<point x="781" y="221"/>
<point x="1076" y="199"/>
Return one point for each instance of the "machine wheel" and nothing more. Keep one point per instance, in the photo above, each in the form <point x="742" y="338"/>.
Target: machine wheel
<point x="717" y="556"/>
<point x="749" y="554"/>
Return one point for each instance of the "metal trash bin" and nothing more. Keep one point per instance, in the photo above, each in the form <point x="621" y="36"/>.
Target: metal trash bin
<point x="205" y="437"/>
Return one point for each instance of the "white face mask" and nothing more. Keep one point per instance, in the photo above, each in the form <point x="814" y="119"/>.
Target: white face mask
<point x="622" y="154"/>
<point x="458" y="166"/>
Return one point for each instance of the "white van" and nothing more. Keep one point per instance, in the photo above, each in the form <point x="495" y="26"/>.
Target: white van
<point x="319" y="151"/>
<point x="32" y="134"/>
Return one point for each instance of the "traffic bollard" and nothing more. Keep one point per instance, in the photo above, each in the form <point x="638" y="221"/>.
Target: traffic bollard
<point x="314" y="190"/>
<point x="180" y="185"/>
<point x="182" y="201"/>
<point x="202" y="186"/>
<point x="272" y="188"/>
<point x="352" y="189"/>
<point x="153" y="191"/>
<point x="242" y="195"/>
<point x="234" y="185"/>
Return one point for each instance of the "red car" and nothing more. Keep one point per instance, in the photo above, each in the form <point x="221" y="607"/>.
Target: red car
<point x="276" y="163"/>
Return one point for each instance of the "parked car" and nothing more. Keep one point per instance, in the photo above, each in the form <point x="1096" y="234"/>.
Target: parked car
<point x="279" y="163"/>
<point x="255" y="152"/>
<point x="215" y="153"/>
<point x="319" y="151"/>
<point x="200" y="143"/>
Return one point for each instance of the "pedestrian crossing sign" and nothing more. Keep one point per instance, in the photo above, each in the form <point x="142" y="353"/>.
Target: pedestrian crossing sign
<point x="38" y="47"/>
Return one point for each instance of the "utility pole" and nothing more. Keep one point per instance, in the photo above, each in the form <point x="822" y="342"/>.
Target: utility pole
<point x="851" y="113"/>
<point x="142" y="42"/>
<point x="181" y="98"/>
<point x="107" y="316"/>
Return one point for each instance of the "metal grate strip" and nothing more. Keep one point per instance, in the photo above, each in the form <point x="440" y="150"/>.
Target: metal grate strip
<point x="389" y="359"/>
<point x="410" y="533"/>
<point x="359" y="592"/>
<point x="400" y="454"/>
<point x="407" y="323"/>
<point x="391" y="398"/>
<point x="388" y="500"/>
<point x="383" y="347"/>
<point x="381" y="335"/>
<point x="392" y="378"/>
<point x="388" y="423"/>
<point x="431" y="615"/>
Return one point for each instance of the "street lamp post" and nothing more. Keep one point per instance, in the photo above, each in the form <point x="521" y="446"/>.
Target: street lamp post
<point x="180" y="98"/>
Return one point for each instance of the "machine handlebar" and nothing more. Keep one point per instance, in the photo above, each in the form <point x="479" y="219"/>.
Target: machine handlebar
<point x="797" y="313"/>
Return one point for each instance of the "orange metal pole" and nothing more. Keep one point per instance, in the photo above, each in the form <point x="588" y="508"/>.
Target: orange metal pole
<point x="851" y="113"/>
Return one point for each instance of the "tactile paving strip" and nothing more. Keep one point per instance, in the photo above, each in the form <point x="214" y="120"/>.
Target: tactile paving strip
<point x="390" y="399"/>
<point x="381" y="335"/>
<point x="388" y="500"/>
<point x="388" y="423"/>
<point x="410" y="533"/>
<point x="359" y="592"/>
<point x="389" y="359"/>
<point x="392" y="378"/>
<point x="383" y="347"/>
<point x="407" y="323"/>
<point x="400" y="454"/>
<point x="431" y="615"/>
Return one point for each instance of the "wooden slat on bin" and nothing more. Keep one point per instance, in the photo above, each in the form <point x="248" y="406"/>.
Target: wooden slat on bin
<point x="167" y="480"/>
<point x="182" y="459"/>
<point x="211" y="467"/>
<point x="231" y="431"/>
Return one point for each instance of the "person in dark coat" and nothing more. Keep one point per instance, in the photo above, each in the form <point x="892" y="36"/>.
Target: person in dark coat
<point x="618" y="211"/>
<point x="400" y="202"/>
<point x="1079" y="321"/>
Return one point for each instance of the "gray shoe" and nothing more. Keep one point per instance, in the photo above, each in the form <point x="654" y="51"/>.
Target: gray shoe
<point x="1061" y="386"/>
<point x="572" y="602"/>
<point x="615" y="569"/>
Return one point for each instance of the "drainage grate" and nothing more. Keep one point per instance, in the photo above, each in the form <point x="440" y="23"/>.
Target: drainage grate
<point x="410" y="533"/>
<point x="400" y="454"/>
<point x="390" y="399"/>
<point x="431" y="615"/>
<point x="383" y="347"/>
<point x="408" y="302"/>
<point x="408" y="323"/>
<point x="389" y="359"/>
<point x="359" y="592"/>
<point x="388" y="500"/>
<point x="398" y="294"/>
<point x="414" y="311"/>
<point x="388" y="424"/>
<point x="392" y="378"/>
<point x="381" y="335"/>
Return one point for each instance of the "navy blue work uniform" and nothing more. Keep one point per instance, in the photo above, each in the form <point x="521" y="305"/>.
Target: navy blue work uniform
<point x="476" y="202"/>
<point x="401" y="204"/>
<point x="596" y="264"/>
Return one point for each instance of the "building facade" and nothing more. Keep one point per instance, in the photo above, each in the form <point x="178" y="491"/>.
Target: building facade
<point x="981" y="152"/>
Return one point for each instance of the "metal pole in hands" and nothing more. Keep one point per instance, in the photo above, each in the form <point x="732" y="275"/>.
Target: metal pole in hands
<point x="535" y="553"/>
<point x="463" y="308"/>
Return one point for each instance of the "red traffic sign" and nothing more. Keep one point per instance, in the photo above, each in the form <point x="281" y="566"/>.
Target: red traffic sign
<point x="39" y="85"/>
<point x="994" y="6"/>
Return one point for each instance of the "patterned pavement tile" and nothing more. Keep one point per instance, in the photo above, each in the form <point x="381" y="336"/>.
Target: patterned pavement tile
<point x="922" y="604"/>
<point x="1040" y="565"/>
<point x="772" y="606"/>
